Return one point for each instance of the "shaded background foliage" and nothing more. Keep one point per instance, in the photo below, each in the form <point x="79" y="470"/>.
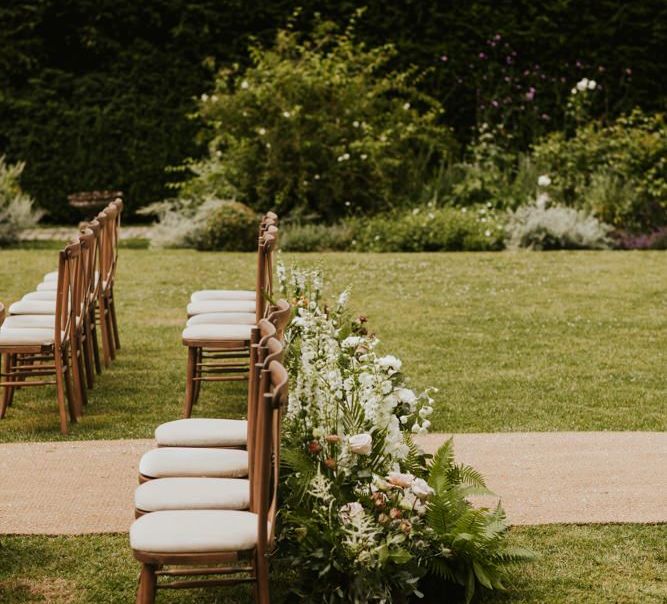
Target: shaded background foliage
<point x="96" y="94"/>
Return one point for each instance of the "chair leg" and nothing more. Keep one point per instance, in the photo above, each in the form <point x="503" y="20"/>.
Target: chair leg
<point x="77" y="374"/>
<point x="95" y="345"/>
<point x="262" y="579"/>
<point x="190" y="373"/>
<point x="88" y="353"/>
<point x="114" y="321"/>
<point x="147" y="585"/>
<point x="61" y="371"/>
<point x="104" y="326"/>
<point x="5" y="365"/>
<point x="198" y="373"/>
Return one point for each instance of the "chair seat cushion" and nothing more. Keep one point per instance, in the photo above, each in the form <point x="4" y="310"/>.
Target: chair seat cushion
<point x="197" y="308"/>
<point x="223" y="294"/>
<point x="52" y="276"/>
<point x="49" y="295"/>
<point x="228" y="318"/>
<point x="217" y="333"/>
<point x="194" y="531"/>
<point x="26" y="337"/>
<point x="193" y="494"/>
<point x="202" y="432"/>
<point x="33" y="307"/>
<point x="47" y="286"/>
<point x="166" y="462"/>
<point x="30" y="321"/>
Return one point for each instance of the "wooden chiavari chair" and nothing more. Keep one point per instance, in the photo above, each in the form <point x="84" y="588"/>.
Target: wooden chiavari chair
<point x="187" y="543"/>
<point x="107" y="221"/>
<point x="37" y="352"/>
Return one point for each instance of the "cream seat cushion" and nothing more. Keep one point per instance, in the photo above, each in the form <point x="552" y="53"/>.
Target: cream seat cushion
<point x="223" y="294"/>
<point x="166" y="462"/>
<point x="47" y="286"/>
<point x="193" y="494"/>
<point x="33" y="307"/>
<point x="194" y="531"/>
<point x="41" y="295"/>
<point x="52" y="276"/>
<point x="202" y="432"/>
<point x="26" y="337"/>
<point x="30" y="321"/>
<point x="197" y="308"/>
<point x="217" y="333"/>
<point x="236" y="318"/>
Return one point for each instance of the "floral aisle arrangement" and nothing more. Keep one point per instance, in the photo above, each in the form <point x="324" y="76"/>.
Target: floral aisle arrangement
<point x="366" y="516"/>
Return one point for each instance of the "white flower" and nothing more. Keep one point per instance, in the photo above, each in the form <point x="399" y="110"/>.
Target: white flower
<point x="406" y="106"/>
<point x="405" y="395"/>
<point x="343" y="297"/>
<point x="487" y="233"/>
<point x="425" y="411"/>
<point x="464" y="210"/>
<point x="421" y="489"/>
<point x="403" y="419"/>
<point x="415" y="428"/>
<point x="351" y="342"/>
<point x="582" y="84"/>
<point x="400" y="480"/>
<point x="317" y="176"/>
<point x="262" y="131"/>
<point x="573" y="91"/>
<point x="286" y="114"/>
<point x="425" y="426"/>
<point x="544" y="180"/>
<point x="364" y="156"/>
<point x="390" y="362"/>
<point x="350" y="510"/>
<point x="244" y="84"/>
<point x="361" y="444"/>
<point x="592" y="84"/>
<point x="204" y="97"/>
<point x="355" y="123"/>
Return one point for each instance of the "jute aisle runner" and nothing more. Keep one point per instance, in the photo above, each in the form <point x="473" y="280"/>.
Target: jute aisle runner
<point x="542" y="478"/>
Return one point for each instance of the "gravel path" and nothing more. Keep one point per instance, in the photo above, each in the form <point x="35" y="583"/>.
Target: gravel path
<point x="542" y="478"/>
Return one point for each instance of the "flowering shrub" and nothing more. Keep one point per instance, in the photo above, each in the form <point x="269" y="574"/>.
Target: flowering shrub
<point x="16" y="207"/>
<point x="618" y="172"/>
<point x="212" y="225"/>
<point x="543" y="227"/>
<point x="318" y="124"/>
<point x="427" y="229"/>
<point x="365" y="515"/>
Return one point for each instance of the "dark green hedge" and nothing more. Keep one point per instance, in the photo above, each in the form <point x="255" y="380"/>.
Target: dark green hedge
<point x="95" y="93"/>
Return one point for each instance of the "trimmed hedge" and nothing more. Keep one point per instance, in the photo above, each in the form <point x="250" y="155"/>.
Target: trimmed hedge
<point x="95" y="93"/>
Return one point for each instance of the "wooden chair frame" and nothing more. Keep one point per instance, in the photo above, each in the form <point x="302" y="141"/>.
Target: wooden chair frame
<point x="21" y="363"/>
<point x="210" y="361"/>
<point x="253" y="564"/>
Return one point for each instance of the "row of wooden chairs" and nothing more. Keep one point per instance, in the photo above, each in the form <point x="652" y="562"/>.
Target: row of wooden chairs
<point x="52" y="332"/>
<point x="207" y="500"/>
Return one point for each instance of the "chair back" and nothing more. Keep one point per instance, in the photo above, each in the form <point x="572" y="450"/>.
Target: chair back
<point x="280" y="315"/>
<point x="93" y="262"/>
<point x="264" y="480"/>
<point x="264" y="286"/>
<point x="89" y="251"/>
<point x="68" y="294"/>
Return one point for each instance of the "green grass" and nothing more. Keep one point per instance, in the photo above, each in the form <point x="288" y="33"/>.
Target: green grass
<point x="592" y="564"/>
<point x="513" y="341"/>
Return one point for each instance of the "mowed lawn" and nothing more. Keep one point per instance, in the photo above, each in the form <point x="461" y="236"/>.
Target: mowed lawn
<point x="512" y="341"/>
<point x="592" y="564"/>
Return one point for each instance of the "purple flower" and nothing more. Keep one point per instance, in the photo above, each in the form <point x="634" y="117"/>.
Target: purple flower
<point x="494" y="103"/>
<point x="482" y="56"/>
<point x="509" y="60"/>
<point x="628" y="71"/>
<point x="497" y="37"/>
<point x="578" y="64"/>
<point x="545" y="117"/>
<point x="530" y="95"/>
<point x="444" y="58"/>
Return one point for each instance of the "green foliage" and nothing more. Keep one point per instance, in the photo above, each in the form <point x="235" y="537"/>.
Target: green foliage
<point x="309" y="237"/>
<point x="617" y="171"/>
<point x="429" y="229"/>
<point x="475" y="550"/>
<point x="16" y="206"/>
<point x="231" y="226"/>
<point x="555" y="228"/>
<point x="96" y="94"/>
<point x="318" y="124"/>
